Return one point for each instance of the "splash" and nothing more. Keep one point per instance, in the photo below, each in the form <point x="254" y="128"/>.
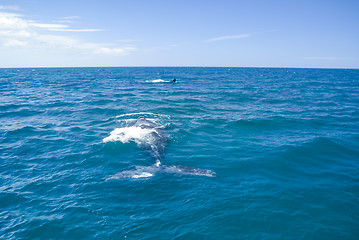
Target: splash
<point x="147" y="134"/>
<point x="157" y="81"/>
<point x="127" y="134"/>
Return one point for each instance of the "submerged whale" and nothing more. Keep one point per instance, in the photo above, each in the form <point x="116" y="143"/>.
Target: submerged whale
<point x="150" y="136"/>
<point x="153" y="137"/>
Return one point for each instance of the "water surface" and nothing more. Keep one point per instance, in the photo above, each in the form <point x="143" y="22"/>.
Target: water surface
<point x="280" y="146"/>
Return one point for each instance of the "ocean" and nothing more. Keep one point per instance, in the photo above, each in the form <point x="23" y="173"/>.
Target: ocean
<point x="222" y="153"/>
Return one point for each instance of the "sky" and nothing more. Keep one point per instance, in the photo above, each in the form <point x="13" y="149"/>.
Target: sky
<point x="221" y="33"/>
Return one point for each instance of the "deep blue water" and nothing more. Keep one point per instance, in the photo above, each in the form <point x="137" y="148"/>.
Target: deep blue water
<point x="233" y="153"/>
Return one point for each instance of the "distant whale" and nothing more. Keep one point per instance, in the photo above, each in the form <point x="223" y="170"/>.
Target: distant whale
<point x="149" y="135"/>
<point x="161" y="81"/>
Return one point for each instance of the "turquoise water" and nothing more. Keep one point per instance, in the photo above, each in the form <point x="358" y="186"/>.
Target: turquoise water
<point x="223" y="153"/>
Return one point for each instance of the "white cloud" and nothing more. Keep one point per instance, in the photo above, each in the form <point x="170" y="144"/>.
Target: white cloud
<point x="229" y="37"/>
<point x="12" y="21"/>
<point x="17" y="31"/>
<point x="48" y="25"/>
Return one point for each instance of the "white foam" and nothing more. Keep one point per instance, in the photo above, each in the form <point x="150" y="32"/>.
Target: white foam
<point x="157" y="81"/>
<point x="127" y="134"/>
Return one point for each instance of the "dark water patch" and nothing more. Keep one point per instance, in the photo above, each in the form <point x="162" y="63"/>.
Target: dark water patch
<point x="282" y="123"/>
<point x="7" y="199"/>
<point x="321" y="160"/>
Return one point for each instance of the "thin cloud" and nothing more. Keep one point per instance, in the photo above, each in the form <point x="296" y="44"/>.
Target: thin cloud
<point x="64" y="21"/>
<point x="48" y="25"/>
<point x="74" y="30"/>
<point x="71" y="17"/>
<point x="61" y="27"/>
<point x="14" y="8"/>
<point x="323" y="58"/>
<point x="229" y="37"/>
<point x="68" y="19"/>
<point x="113" y="51"/>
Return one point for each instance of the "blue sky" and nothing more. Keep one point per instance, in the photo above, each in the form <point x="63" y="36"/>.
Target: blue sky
<point x="39" y="33"/>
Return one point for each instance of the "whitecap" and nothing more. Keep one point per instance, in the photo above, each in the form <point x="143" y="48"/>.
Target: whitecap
<point x="157" y="81"/>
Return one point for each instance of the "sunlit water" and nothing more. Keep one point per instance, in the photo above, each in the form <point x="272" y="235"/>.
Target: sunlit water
<point x="223" y="153"/>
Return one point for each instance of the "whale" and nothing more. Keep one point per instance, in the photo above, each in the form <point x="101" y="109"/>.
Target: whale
<point x="161" y="81"/>
<point x="154" y="138"/>
<point x="146" y="133"/>
<point x="151" y="137"/>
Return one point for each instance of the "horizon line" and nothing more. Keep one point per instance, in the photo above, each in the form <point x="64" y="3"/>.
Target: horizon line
<point x="288" y="67"/>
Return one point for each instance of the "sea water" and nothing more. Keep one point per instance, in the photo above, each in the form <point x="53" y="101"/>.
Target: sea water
<point x="233" y="153"/>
